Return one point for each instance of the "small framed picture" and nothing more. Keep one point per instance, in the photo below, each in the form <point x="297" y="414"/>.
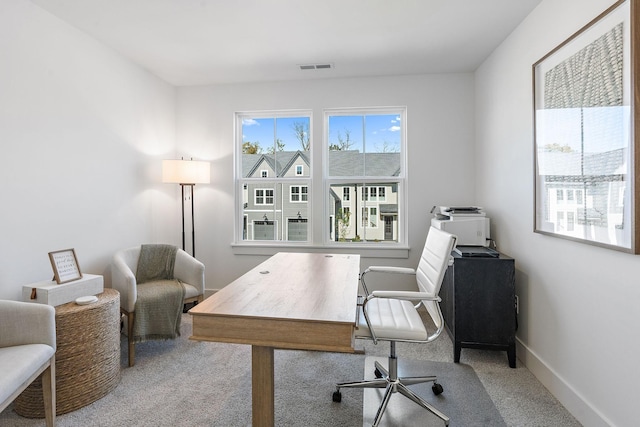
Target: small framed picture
<point x="65" y="266"/>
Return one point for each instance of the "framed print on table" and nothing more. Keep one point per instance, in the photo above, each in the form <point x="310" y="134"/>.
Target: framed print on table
<point x="586" y="164"/>
<point x="65" y="266"/>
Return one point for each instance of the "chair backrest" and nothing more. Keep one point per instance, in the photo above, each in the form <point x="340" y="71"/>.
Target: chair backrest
<point x="432" y="267"/>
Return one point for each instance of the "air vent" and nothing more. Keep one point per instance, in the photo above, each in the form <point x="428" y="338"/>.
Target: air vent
<point x="316" y="66"/>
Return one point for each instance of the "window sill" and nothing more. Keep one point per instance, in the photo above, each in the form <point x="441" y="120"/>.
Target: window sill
<point x="364" y="250"/>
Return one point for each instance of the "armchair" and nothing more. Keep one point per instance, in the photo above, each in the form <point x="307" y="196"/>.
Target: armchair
<point x="187" y="269"/>
<point x="27" y="350"/>
<point x="394" y="316"/>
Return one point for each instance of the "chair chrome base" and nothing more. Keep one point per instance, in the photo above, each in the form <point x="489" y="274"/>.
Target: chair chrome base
<point x="389" y="380"/>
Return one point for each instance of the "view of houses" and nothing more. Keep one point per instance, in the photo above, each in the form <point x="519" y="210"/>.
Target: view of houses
<point x="279" y="209"/>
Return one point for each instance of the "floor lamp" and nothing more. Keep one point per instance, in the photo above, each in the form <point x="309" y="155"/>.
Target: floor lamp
<point x="186" y="173"/>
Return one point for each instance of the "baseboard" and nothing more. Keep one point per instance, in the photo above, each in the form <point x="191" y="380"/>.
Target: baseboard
<point x="575" y="403"/>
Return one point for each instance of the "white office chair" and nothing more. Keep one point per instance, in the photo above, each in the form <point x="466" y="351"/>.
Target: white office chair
<point x="392" y="316"/>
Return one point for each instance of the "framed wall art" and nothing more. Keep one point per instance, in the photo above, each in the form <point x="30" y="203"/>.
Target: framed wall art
<point x="65" y="266"/>
<point x="586" y="164"/>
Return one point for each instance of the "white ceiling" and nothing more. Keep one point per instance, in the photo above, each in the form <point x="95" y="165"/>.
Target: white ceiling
<point x="196" y="42"/>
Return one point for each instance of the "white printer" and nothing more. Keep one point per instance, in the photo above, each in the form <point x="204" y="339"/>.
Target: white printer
<point x="468" y="223"/>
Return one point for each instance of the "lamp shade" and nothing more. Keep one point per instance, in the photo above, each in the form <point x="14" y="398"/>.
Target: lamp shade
<point x="186" y="172"/>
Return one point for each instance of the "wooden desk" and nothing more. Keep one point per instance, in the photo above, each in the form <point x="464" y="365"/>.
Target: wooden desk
<point x="296" y="301"/>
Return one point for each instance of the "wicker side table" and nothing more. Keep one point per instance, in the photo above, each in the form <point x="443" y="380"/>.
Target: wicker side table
<point x="87" y="357"/>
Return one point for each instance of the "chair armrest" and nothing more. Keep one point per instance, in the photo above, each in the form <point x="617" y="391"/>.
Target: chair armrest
<point x="27" y="323"/>
<point x="384" y="269"/>
<point x="123" y="280"/>
<point x="405" y="295"/>
<point x="388" y="269"/>
<point x="189" y="270"/>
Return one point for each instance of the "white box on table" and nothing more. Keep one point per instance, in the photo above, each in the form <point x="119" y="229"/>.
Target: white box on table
<point x="49" y="292"/>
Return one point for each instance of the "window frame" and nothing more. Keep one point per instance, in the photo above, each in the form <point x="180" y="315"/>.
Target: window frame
<point x="318" y="183"/>
<point x="369" y="180"/>
<point x="281" y="184"/>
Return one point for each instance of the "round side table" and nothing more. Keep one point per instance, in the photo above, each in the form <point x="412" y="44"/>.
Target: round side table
<point x="87" y="356"/>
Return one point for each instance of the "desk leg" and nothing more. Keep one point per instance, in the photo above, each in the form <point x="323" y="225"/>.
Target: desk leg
<point x="262" y="386"/>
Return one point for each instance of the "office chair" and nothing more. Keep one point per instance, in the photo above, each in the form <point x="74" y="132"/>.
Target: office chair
<point x="392" y="316"/>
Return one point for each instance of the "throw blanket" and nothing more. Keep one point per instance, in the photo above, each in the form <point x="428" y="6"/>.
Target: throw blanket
<point x="160" y="299"/>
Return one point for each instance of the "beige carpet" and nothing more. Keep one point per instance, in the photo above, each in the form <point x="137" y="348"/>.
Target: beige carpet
<point x="187" y="383"/>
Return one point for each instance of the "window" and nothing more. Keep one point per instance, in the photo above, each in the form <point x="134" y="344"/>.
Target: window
<point x="365" y="156"/>
<point x="298" y="193"/>
<point x="359" y="196"/>
<point x="273" y="160"/>
<point x="263" y="196"/>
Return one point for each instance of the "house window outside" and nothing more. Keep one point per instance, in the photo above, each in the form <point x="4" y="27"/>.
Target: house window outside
<point x="365" y="152"/>
<point x="298" y="193"/>
<point x="363" y="180"/>
<point x="263" y="196"/>
<point x="273" y="162"/>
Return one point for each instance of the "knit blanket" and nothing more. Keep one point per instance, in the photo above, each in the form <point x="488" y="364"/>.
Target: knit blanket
<point x="158" y="308"/>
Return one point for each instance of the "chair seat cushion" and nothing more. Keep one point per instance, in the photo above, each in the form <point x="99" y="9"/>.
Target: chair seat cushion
<point x="190" y="291"/>
<point x="19" y="363"/>
<point x="392" y="319"/>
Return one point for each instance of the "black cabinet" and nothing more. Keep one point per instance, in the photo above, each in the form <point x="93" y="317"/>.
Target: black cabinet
<point x="478" y="304"/>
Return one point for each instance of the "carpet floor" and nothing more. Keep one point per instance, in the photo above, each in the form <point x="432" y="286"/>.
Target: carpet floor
<point x="188" y="383"/>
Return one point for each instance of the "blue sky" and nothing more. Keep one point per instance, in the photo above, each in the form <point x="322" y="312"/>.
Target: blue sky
<point x="382" y="132"/>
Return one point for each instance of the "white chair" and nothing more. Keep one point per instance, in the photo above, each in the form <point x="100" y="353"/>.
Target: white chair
<point x="394" y="316"/>
<point x="187" y="269"/>
<point x="27" y="350"/>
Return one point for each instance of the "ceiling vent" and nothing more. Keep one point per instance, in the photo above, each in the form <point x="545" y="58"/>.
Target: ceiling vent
<point x="316" y="66"/>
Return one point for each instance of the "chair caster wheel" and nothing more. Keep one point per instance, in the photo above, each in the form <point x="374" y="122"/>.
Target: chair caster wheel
<point x="337" y="396"/>
<point x="437" y="388"/>
<point x="377" y="373"/>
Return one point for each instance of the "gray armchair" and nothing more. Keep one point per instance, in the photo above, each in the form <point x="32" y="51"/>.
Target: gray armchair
<point x="27" y="350"/>
<point x="188" y="270"/>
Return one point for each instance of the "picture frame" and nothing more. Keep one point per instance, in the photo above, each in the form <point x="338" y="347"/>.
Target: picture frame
<point x="65" y="266"/>
<point x="586" y="160"/>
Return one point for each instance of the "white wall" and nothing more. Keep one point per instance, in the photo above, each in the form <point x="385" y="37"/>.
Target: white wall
<point x="578" y="329"/>
<point x="82" y="132"/>
<point x="440" y="139"/>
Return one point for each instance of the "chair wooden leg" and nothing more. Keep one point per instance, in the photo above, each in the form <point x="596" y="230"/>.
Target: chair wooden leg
<point x="132" y="347"/>
<point x="49" y="392"/>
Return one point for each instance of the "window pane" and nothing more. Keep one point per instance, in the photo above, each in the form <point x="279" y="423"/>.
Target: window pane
<point x="359" y="219"/>
<point x="269" y="145"/>
<point x="275" y="211"/>
<point x="364" y="145"/>
<point x="274" y="149"/>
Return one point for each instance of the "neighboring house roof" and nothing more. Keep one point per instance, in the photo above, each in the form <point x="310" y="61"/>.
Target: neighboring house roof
<point x="341" y="163"/>
<point x="279" y="162"/>
<point x="355" y="163"/>
<point x="595" y="164"/>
